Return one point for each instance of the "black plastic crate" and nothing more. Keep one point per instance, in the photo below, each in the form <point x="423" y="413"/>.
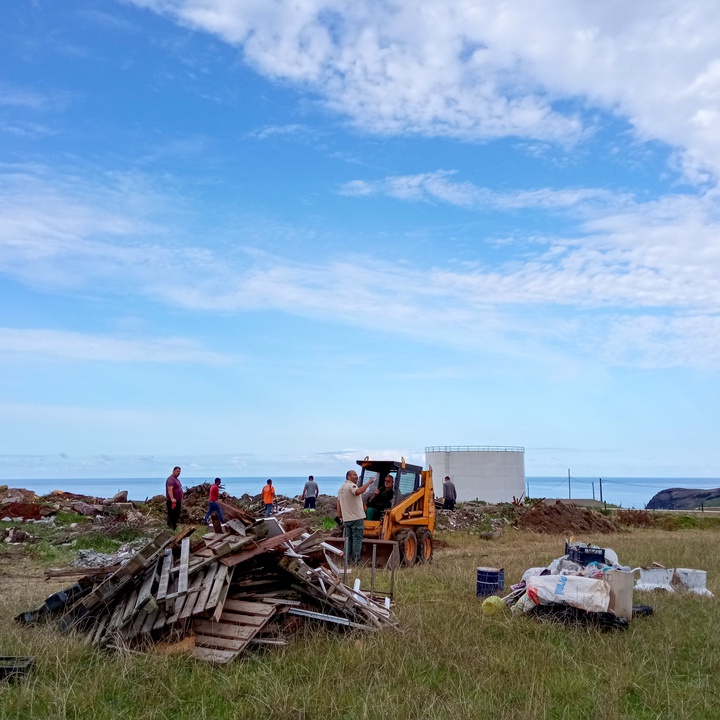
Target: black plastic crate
<point x="583" y="555"/>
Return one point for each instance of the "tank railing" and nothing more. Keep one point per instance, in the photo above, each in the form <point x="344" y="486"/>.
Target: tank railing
<point x="474" y="448"/>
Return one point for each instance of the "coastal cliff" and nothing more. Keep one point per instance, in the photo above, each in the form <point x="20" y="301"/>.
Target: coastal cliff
<point x="684" y="499"/>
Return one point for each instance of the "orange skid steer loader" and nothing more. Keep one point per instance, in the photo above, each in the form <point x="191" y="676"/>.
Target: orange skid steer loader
<point x="410" y="519"/>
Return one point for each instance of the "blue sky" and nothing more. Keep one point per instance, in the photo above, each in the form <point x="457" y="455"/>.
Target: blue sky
<point x="257" y="237"/>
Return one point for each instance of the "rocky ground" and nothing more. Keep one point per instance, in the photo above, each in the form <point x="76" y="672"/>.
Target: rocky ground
<point x="21" y="505"/>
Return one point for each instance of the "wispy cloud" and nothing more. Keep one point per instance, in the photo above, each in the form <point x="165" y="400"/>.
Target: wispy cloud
<point x="440" y="186"/>
<point x="660" y="256"/>
<point x="66" y="345"/>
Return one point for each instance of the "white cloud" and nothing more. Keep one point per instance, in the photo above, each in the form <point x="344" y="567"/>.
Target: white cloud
<point x="485" y="70"/>
<point x="661" y="256"/>
<point x="66" y="345"/>
<point x="439" y="186"/>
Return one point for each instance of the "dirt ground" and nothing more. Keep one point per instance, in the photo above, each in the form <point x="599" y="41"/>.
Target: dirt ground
<point x="23" y="579"/>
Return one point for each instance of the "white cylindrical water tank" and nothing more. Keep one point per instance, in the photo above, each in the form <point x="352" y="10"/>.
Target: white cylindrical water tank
<point x="492" y="474"/>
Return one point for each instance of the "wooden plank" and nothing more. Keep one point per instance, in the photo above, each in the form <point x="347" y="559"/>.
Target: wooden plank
<point x="216" y="657"/>
<point x="238" y="619"/>
<point x="118" y="612"/>
<point x="201" y="602"/>
<point x="221" y="599"/>
<point x="179" y="604"/>
<point x="263" y="546"/>
<point x="100" y="628"/>
<point x="249" y="608"/>
<point x="235" y="527"/>
<point x="239" y="632"/>
<point x="164" y="575"/>
<point x="220" y="577"/>
<point x="160" y="619"/>
<point x="146" y="587"/>
<point x="231" y="544"/>
<point x="209" y="641"/>
<point x="215" y="520"/>
<point x="184" y="560"/>
<point x="204" y="552"/>
<point x="193" y="594"/>
<point x="150" y="619"/>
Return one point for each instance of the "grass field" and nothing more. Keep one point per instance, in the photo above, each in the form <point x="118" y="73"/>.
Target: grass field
<point x="446" y="661"/>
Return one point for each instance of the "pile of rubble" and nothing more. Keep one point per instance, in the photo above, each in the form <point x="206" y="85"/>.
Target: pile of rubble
<point x="245" y="585"/>
<point x="563" y="517"/>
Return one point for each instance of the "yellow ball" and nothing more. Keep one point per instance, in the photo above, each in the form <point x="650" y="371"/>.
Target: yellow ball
<point x="493" y="605"/>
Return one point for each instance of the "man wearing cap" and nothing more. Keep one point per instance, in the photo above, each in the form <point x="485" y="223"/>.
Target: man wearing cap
<point x="213" y="505"/>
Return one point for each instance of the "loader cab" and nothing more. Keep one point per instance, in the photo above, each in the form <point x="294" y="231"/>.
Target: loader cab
<point x="406" y="477"/>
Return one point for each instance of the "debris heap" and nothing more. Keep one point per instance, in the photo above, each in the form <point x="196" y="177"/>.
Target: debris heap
<point x="216" y="595"/>
<point x="563" y="517"/>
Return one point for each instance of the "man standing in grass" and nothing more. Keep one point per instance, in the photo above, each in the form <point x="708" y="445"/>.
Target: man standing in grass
<point x="310" y="493"/>
<point x="268" y="497"/>
<point x="173" y="498"/>
<point x="350" y="509"/>
<point x="213" y="506"/>
<point x="449" y="493"/>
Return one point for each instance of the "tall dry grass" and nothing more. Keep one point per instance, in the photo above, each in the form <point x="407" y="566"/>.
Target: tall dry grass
<point x="446" y="661"/>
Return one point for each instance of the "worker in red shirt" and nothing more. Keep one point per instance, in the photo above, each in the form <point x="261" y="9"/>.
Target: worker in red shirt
<point x="213" y="506"/>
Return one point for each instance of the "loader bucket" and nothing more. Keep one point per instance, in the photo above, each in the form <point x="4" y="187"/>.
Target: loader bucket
<point x="384" y="552"/>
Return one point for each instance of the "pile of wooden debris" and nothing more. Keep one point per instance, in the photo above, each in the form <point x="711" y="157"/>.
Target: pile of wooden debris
<point x="215" y="595"/>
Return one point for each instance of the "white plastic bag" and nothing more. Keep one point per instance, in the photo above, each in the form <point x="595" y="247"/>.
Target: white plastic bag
<point x="574" y="590"/>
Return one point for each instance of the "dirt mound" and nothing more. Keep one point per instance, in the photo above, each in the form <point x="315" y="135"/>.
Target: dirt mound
<point x="564" y="518"/>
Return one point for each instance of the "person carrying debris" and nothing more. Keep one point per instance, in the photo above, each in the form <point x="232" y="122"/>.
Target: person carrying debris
<point x="310" y="493"/>
<point x="268" y="497"/>
<point x="173" y="498"/>
<point x="449" y="494"/>
<point x="350" y="509"/>
<point x="381" y="500"/>
<point x="213" y="506"/>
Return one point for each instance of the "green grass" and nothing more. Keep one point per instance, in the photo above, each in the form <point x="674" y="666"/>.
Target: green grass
<point x="446" y="661"/>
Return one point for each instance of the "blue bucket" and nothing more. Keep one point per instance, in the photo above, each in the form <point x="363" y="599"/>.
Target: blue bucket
<point x="490" y="581"/>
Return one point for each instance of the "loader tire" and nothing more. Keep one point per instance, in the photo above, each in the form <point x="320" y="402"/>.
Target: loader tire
<point x="407" y="545"/>
<point x="424" y="546"/>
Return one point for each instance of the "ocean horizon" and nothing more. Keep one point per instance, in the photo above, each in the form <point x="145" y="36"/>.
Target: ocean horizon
<point x="633" y="492"/>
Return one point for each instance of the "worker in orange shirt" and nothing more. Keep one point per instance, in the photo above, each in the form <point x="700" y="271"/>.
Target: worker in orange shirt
<point x="268" y="497"/>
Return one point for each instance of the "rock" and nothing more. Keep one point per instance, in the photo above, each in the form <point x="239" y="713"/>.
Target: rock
<point x="120" y="497"/>
<point x="684" y="499"/>
<point x="83" y="508"/>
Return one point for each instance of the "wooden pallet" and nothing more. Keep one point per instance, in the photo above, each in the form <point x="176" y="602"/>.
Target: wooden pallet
<point x="221" y="641"/>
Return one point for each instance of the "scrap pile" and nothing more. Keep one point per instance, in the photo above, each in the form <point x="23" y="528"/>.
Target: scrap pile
<point x="586" y="585"/>
<point x="217" y="594"/>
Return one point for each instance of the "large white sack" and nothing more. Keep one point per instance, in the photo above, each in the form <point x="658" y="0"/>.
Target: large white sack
<point x="574" y="590"/>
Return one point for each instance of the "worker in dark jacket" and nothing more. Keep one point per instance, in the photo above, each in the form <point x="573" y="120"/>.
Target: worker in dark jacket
<point x="449" y="493"/>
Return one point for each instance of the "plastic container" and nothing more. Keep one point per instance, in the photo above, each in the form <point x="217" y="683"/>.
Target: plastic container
<point x="490" y="581"/>
<point x="582" y="554"/>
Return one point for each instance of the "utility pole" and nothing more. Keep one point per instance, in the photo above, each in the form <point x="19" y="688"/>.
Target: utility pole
<point x="569" y="492"/>
<point x="601" y="497"/>
<point x="593" y="489"/>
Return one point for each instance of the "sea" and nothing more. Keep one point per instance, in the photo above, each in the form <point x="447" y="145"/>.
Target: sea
<point x="625" y="492"/>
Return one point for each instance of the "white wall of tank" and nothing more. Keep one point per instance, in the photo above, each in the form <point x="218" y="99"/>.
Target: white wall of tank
<point x="492" y="474"/>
